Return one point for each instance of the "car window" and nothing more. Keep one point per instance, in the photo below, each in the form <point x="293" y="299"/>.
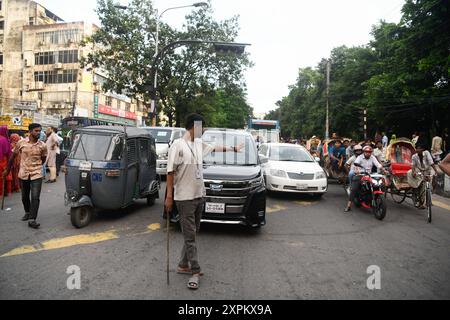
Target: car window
<point x="160" y="135"/>
<point x="247" y="156"/>
<point x="263" y="150"/>
<point x="289" y="153"/>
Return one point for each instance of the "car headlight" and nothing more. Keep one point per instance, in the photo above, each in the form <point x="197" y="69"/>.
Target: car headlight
<point x="321" y="175"/>
<point x="255" y="183"/>
<point x="162" y="156"/>
<point x="278" y="173"/>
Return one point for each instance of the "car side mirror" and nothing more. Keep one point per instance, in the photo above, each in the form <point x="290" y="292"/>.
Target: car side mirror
<point x="263" y="159"/>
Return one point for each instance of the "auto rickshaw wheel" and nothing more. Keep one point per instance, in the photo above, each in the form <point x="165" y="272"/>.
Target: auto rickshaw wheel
<point x="81" y="216"/>
<point x="151" y="200"/>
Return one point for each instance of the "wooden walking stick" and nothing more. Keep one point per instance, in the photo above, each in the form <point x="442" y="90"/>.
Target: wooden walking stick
<point x="4" y="192"/>
<point x="167" y="214"/>
<point x="168" y="238"/>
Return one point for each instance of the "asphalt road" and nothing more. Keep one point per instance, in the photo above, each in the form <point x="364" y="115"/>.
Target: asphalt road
<point x="309" y="249"/>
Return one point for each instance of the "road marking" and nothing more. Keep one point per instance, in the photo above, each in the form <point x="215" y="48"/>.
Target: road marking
<point x="66" y="242"/>
<point x="441" y="205"/>
<point x="275" y="208"/>
<point x="59" y="243"/>
<point x="154" y="226"/>
<point x="304" y="203"/>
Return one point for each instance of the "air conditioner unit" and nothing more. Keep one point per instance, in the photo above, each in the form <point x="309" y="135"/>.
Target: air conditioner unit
<point x="57" y="65"/>
<point x="39" y="85"/>
<point x="27" y="63"/>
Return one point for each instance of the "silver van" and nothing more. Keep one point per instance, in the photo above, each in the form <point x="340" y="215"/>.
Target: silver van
<point x="164" y="137"/>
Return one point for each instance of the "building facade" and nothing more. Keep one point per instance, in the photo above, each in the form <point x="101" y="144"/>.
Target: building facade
<point x="40" y="69"/>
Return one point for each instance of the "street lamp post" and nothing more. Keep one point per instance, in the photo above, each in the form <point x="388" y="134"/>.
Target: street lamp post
<point x="219" y="46"/>
<point x="158" y="19"/>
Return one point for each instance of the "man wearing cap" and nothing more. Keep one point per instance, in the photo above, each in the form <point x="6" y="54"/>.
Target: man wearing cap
<point x="33" y="153"/>
<point x="350" y="162"/>
<point x="364" y="162"/>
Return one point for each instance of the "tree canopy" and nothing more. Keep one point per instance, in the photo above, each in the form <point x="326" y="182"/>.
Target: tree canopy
<point x="401" y="77"/>
<point x="193" y="78"/>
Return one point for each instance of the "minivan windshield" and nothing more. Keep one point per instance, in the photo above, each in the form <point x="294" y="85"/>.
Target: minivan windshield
<point x="160" y="135"/>
<point x="288" y="153"/>
<point x="97" y="147"/>
<point x="247" y="156"/>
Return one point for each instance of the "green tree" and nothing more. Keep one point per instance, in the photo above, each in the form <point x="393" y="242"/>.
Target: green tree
<point x="125" y="46"/>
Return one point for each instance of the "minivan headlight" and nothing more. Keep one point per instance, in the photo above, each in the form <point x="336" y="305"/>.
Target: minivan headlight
<point x="278" y="173"/>
<point x="321" y="175"/>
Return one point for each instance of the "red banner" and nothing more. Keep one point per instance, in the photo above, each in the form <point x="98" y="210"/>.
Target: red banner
<point x="117" y="113"/>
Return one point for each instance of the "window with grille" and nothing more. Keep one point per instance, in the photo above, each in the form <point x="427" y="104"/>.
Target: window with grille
<point x="131" y="151"/>
<point x="51" y="77"/>
<point x="59" y="36"/>
<point x="108" y="101"/>
<point x="144" y="151"/>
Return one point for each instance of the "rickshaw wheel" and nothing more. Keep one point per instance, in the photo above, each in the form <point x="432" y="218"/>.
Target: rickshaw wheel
<point x="398" y="195"/>
<point x="81" y="216"/>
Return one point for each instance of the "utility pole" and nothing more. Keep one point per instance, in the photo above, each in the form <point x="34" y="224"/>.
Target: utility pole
<point x="365" y="124"/>
<point x="327" y="121"/>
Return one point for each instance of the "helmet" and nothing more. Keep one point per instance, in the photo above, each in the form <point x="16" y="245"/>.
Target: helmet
<point x="357" y="148"/>
<point x="367" y="149"/>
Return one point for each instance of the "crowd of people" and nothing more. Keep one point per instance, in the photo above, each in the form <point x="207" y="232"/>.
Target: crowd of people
<point x="8" y="142"/>
<point x="343" y="153"/>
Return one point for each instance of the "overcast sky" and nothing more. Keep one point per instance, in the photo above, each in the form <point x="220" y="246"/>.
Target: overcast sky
<point x="285" y="35"/>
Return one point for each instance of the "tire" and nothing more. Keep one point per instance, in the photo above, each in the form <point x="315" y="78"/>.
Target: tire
<point x="398" y="196"/>
<point x="151" y="200"/>
<point x="81" y="216"/>
<point x="428" y="202"/>
<point x="379" y="210"/>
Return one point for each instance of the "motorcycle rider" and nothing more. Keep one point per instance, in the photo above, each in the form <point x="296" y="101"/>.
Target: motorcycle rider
<point x="349" y="164"/>
<point x="364" y="162"/>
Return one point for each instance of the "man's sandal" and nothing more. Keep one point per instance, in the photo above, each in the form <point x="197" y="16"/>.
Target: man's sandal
<point x="188" y="270"/>
<point x="193" y="282"/>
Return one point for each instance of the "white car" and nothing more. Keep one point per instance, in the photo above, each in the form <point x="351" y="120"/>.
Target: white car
<point x="291" y="168"/>
<point x="164" y="137"/>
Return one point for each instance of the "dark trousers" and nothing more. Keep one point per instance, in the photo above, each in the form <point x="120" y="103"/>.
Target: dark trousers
<point x="354" y="187"/>
<point x="32" y="187"/>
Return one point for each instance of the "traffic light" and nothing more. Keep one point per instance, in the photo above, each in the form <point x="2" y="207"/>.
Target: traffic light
<point x="229" y="48"/>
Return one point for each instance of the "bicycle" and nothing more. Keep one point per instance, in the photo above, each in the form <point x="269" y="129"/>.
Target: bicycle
<point x="425" y="194"/>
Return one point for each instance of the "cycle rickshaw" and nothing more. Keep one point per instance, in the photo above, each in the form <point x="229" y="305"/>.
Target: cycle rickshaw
<point x="398" y="163"/>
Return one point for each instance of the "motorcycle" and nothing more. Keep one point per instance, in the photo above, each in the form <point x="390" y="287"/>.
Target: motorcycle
<point x="372" y="194"/>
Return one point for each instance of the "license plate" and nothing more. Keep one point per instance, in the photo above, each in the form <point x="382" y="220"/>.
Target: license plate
<point x="85" y="166"/>
<point x="302" y="186"/>
<point x="212" y="207"/>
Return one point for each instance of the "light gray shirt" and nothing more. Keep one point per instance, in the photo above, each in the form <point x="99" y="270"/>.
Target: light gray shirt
<point x="367" y="164"/>
<point x="186" y="161"/>
<point x="426" y="164"/>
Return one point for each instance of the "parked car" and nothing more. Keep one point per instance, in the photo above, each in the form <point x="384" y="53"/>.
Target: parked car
<point x="291" y="168"/>
<point x="164" y="137"/>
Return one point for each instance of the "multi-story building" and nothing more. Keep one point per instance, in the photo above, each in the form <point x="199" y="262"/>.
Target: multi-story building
<point x="40" y="68"/>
